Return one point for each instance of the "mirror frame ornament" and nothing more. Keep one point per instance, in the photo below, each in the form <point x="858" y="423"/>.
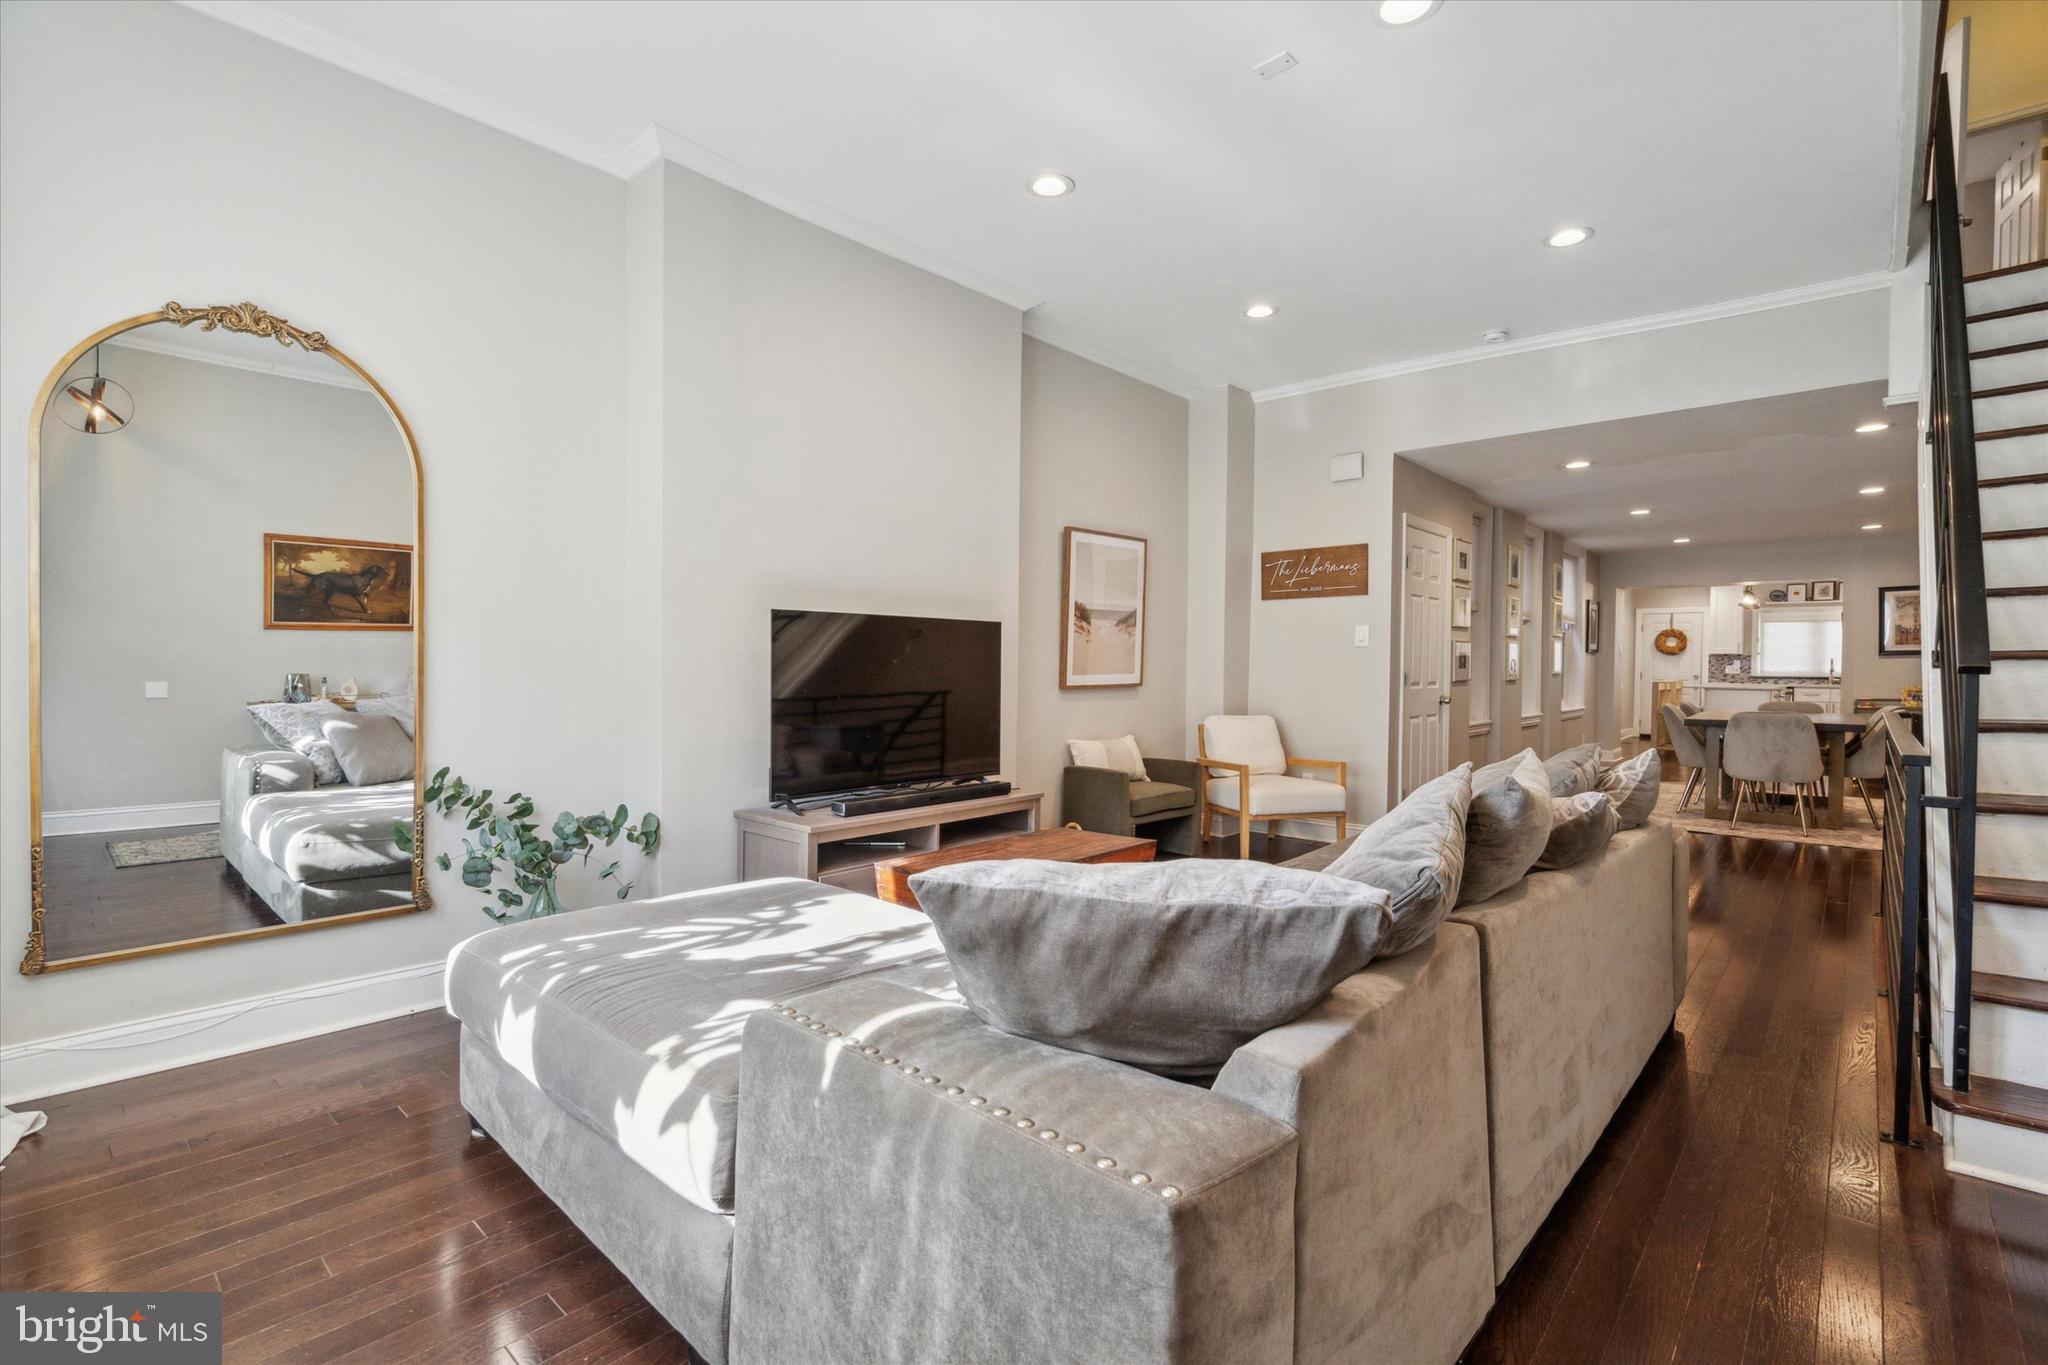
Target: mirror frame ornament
<point x="234" y="317"/>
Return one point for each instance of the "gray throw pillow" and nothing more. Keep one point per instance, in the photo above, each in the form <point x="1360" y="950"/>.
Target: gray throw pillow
<point x="1575" y="770"/>
<point x="370" y="749"/>
<point x="1633" y="787"/>
<point x="1416" y="854"/>
<point x="1168" y="966"/>
<point x="296" y="726"/>
<point x="1507" y="827"/>
<point x="1580" y="826"/>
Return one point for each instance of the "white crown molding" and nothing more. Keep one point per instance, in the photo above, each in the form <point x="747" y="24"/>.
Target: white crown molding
<point x="114" y="819"/>
<point x="185" y="348"/>
<point x="1731" y="308"/>
<point x="1094" y="355"/>
<point x="74" y="1061"/>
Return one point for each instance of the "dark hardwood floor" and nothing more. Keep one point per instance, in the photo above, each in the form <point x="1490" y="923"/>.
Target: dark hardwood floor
<point x="95" y="907"/>
<point x="1740" y="1206"/>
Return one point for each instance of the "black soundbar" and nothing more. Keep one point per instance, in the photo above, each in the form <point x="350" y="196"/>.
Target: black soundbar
<point x="875" y="805"/>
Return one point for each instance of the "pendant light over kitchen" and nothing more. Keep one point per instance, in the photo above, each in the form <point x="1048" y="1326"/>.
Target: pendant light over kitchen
<point x="97" y="404"/>
<point x="1748" y="594"/>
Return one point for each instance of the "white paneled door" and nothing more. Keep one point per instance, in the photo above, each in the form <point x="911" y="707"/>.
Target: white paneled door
<point x="2016" y="206"/>
<point x="1654" y="666"/>
<point x="1425" y="654"/>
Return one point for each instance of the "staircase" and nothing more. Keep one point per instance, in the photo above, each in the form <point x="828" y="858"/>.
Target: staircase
<point x="1999" y="1060"/>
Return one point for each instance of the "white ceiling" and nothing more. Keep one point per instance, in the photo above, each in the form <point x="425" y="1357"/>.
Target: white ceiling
<point x="1390" y="195"/>
<point x="1770" y="469"/>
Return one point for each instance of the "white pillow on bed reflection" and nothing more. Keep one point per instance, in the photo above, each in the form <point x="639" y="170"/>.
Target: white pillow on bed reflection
<point x="398" y="706"/>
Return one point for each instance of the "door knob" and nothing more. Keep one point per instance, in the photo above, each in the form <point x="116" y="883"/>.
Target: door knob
<point x="1443" y="701"/>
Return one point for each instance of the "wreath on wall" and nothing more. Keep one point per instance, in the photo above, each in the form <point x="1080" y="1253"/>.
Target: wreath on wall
<point x="1671" y="640"/>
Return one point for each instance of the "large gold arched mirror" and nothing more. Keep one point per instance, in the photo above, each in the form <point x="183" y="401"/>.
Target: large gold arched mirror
<point x="224" y="640"/>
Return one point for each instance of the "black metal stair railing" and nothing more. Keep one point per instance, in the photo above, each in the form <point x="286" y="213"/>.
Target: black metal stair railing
<point x="1902" y="901"/>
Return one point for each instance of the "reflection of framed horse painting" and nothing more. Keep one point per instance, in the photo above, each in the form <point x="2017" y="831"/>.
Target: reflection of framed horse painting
<point x="1898" y="620"/>
<point x="320" y="583"/>
<point x="1102" y="609"/>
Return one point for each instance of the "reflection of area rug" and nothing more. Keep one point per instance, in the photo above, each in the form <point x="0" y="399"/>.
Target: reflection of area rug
<point x="179" y="848"/>
<point x="1856" y="831"/>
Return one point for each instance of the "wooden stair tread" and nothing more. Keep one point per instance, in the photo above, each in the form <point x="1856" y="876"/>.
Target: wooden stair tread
<point x="2031" y="590"/>
<point x="2013" y="312"/>
<point x="2011" y="803"/>
<point x="2007" y="1102"/>
<point x="2022" y="533"/>
<point x="2005" y="270"/>
<point x="2013" y="727"/>
<point x="2007" y="433"/>
<point x="2013" y="891"/>
<point x="2020" y="992"/>
<point x="2011" y="480"/>
<point x="2006" y="390"/>
<point x="2013" y="349"/>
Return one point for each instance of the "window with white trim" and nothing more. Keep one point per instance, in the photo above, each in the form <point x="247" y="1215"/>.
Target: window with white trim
<point x="1798" y="642"/>
<point x="1574" y="691"/>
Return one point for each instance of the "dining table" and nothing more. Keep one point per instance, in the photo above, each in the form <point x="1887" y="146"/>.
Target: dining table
<point x="1835" y="732"/>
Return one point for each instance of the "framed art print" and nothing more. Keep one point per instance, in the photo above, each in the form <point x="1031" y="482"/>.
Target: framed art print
<point x="1592" y="626"/>
<point x="1514" y="615"/>
<point x="1461" y="661"/>
<point x="1514" y="566"/>
<point x="321" y="583"/>
<point x="1461" y="608"/>
<point x="1795" y="592"/>
<point x="1512" y="672"/>
<point x="1102" y="609"/>
<point x="1825" y="590"/>
<point x="1461" y="561"/>
<point x="1898" y="619"/>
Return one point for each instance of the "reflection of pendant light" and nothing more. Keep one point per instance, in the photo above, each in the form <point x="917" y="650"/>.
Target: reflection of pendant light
<point x="1748" y="594"/>
<point x="98" y="405"/>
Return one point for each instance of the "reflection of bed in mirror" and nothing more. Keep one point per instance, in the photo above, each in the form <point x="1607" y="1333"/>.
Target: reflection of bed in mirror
<point x="312" y="851"/>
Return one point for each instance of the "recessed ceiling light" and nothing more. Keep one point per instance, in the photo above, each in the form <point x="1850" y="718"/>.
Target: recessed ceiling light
<point x="1401" y="13"/>
<point x="1681" y="540"/>
<point x="1639" y="511"/>
<point x="1578" y="464"/>
<point x="1873" y="526"/>
<point x="1568" y="236"/>
<point x="1869" y="427"/>
<point x="1051" y="184"/>
<point x="1259" y="310"/>
<point x="1874" y="488"/>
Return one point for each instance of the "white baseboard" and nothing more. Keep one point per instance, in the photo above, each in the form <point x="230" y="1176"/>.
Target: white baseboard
<point x="1999" y="1152"/>
<point x="74" y="1061"/>
<point x="114" y="819"/>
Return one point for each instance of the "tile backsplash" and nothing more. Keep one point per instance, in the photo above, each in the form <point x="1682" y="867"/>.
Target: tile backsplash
<point x="1734" y="668"/>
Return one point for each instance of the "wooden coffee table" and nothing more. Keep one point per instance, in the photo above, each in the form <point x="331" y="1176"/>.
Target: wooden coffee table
<point x="892" y="876"/>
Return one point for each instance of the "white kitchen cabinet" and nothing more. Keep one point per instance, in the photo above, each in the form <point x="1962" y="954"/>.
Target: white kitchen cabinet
<point x="1827" y="698"/>
<point x="1727" y="622"/>
<point x="1736" y="698"/>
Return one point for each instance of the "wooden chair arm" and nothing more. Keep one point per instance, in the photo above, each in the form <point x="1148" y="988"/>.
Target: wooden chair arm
<point x="1336" y="765"/>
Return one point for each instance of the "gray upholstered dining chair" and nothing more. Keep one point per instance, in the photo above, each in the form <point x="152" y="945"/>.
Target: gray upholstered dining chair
<point x="1866" y="762"/>
<point x="1688" y="748"/>
<point x="1804" y="708"/>
<point x="1772" y="747"/>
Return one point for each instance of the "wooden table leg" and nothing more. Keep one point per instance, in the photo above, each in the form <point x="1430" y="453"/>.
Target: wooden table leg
<point x="1712" y="780"/>
<point x="1838" y="767"/>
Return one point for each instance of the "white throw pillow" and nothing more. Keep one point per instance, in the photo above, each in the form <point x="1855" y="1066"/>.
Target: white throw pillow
<point x="1119" y="754"/>
<point x="296" y="725"/>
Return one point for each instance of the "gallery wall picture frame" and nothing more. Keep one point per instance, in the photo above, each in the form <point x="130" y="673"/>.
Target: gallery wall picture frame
<point x="1102" y="608"/>
<point x="1557" y="616"/>
<point x="1795" y="592"/>
<point x="1511" y="671"/>
<point x="1514" y="614"/>
<point x="1461" y="608"/>
<point x="1899" y="620"/>
<point x="1592" y="626"/>
<point x="1461" y="661"/>
<point x="1514" y="566"/>
<point x="330" y="583"/>
<point x="1461" y="561"/>
<point x="1824" y="590"/>
<point x="1557" y="580"/>
<point x="1557" y="656"/>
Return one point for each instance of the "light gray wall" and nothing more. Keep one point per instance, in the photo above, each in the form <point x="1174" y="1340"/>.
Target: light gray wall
<point x="153" y="568"/>
<point x="1863" y="564"/>
<point x="1222" y="570"/>
<point x="476" y="276"/>
<point x="841" y="433"/>
<point x="1109" y="453"/>
<point x="1303" y="666"/>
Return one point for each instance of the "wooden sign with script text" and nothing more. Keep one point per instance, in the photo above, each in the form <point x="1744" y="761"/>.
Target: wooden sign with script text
<point x="1320" y="571"/>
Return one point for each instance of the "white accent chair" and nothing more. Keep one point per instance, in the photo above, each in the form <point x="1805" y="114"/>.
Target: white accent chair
<point x="1247" y="778"/>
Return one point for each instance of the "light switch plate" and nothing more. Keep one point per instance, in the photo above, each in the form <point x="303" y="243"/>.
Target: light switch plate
<point x="1361" y="636"/>
<point x="155" y="691"/>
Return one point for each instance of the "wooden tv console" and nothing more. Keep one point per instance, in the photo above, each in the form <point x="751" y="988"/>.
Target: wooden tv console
<point x="842" y="850"/>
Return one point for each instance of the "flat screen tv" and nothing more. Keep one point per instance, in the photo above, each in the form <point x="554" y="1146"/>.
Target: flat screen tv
<point x="860" y="702"/>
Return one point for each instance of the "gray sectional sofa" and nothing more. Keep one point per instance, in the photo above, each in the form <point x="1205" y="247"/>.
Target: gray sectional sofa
<point x="312" y="851"/>
<point x="765" y="1103"/>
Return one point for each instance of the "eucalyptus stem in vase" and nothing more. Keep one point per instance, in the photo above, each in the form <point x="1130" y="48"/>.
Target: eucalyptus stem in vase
<point x="502" y="841"/>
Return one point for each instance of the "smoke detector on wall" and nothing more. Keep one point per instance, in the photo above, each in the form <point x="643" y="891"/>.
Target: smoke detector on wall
<point x="1496" y="336"/>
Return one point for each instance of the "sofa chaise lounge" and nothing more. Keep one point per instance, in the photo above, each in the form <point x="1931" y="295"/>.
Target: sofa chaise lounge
<point x="765" y="1104"/>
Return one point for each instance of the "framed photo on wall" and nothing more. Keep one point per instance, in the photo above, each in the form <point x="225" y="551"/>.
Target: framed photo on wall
<point x="1461" y="561"/>
<point x="1898" y="619"/>
<point x="321" y="583"/>
<point x="1461" y="608"/>
<point x="1512" y="672"/>
<point x="1557" y="580"/>
<point x="1825" y="590"/>
<point x="1102" y="609"/>
<point x="1592" y="626"/>
<point x="1461" y="661"/>
<point x="1795" y="592"/>
<point x="1514" y="566"/>
<point x="1514" y="614"/>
